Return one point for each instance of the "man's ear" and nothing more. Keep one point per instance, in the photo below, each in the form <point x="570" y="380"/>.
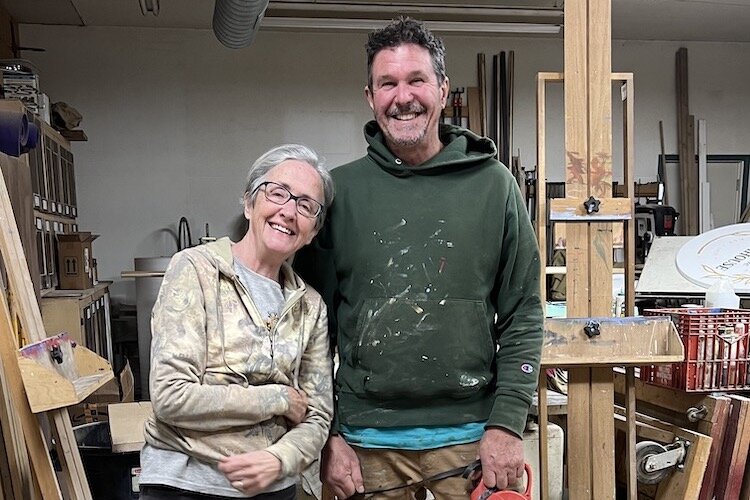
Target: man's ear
<point x="368" y="96"/>
<point x="445" y="88"/>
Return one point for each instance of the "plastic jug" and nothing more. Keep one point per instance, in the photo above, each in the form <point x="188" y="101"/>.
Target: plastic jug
<point x="721" y="294"/>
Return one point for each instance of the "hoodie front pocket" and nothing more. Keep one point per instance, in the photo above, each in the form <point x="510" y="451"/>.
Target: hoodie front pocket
<point x="422" y="349"/>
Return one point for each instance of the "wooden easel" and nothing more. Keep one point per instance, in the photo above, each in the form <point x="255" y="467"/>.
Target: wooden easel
<point x="589" y="211"/>
<point x="27" y="308"/>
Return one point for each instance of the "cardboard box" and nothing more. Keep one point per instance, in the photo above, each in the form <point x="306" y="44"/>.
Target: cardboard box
<point x="75" y="260"/>
<point x="95" y="408"/>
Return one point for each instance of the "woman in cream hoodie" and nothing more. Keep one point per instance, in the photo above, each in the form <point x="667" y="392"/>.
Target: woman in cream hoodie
<point x="240" y="375"/>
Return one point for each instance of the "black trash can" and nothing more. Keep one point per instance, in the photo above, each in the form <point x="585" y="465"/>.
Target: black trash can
<point x="111" y="476"/>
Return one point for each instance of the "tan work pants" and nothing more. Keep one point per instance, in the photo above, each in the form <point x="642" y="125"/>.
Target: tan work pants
<point x="385" y="468"/>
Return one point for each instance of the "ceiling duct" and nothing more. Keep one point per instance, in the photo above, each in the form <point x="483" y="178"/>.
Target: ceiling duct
<point x="236" y="22"/>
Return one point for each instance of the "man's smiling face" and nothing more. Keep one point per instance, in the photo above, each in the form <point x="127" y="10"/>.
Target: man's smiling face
<point x="407" y="99"/>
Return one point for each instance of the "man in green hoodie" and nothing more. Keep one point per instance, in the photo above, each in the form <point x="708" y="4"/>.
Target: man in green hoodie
<point x="430" y="268"/>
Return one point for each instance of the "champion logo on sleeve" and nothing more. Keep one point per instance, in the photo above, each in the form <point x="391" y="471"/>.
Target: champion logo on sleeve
<point x="527" y="368"/>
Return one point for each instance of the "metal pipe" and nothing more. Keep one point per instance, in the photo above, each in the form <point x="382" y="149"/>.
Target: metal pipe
<point x="236" y="22"/>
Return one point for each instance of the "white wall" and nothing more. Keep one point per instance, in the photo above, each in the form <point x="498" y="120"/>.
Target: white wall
<point x="174" y="119"/>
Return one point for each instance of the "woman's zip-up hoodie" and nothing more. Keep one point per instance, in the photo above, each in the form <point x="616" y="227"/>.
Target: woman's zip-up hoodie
<point x="219" y="373"/>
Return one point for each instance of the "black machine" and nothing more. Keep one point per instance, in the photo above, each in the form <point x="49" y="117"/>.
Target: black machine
<point x="652" y="220"/>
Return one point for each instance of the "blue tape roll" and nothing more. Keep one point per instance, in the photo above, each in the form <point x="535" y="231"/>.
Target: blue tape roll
<point x="17" y="135"/>
<point x="32" y="138"/>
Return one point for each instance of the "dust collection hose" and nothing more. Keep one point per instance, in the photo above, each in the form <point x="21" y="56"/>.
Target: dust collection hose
<point x="236" y="22"/>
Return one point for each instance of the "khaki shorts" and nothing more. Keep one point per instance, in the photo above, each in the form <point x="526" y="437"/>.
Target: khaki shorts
<point x="385" y="468"/>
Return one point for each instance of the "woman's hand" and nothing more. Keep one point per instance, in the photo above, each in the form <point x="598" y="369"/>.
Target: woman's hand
<point x="297" y="405"/>
<point x="251" y="472"/>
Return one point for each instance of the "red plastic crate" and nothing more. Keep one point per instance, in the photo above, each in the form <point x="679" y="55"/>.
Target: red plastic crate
<point x="716" y="350"/>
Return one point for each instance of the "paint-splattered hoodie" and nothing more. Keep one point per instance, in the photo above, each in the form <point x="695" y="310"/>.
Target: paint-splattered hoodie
<point x="219" y="377"/>
<point x="431" y="274"/>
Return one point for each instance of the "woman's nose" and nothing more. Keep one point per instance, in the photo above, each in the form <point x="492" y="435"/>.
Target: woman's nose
<point x="289" y="209"/>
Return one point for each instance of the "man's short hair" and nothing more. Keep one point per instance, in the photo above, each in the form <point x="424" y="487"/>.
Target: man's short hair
<point x="406" y="30"/>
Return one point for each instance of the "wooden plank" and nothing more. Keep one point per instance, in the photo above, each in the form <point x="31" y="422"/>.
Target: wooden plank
<point x="665" y="397"/>
<point x="717" y="430"/>
<point x="475" y="120"/>
<point x="683" y="151"/>
<point x="692" y="176"/>
<point x="602" y="434"/>
<point x="14" y="463"/>
<point x="511" y="92"/>
<point x="599" y="164"/>
<point x="492" y="118"/>
<point x="543" y="437"/>
<point x="541" y="178"/>
<point x="634" y="340"/>
<point x="572" y="210"/>
<point x="502" y="118"/>
<point x="19" y="280"/>
<point x="579" y="433"/>
<point x="631" y="479"/>
<point x="735" y="449"/>
<point x="577" y="280"/>
<point x="482" y="83"/>
<point x="44" y="474"/>
<point x="629" y="230"/>
<point x="704" y="194"/>
<point x="541" y="235"/>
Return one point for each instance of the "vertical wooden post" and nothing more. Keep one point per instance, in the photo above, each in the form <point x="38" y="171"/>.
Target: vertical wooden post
<point x="626" y="95"/>
<point x="588" y="151"/>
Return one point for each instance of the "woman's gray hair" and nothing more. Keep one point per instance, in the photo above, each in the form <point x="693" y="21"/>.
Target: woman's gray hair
<point x="257" y="173"/>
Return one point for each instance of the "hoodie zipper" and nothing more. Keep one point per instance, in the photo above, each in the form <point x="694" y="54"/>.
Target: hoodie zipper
<point x="249" y="304"/>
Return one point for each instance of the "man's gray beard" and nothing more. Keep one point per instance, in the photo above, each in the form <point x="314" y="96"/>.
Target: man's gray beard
<point x="401" y="142"/>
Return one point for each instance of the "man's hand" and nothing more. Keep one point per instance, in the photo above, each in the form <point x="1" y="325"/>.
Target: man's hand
<point x="251" y="472"/>
<point x="297" y="405"/>
<point x="501" y="453"/>
<point x="339" y="468"/>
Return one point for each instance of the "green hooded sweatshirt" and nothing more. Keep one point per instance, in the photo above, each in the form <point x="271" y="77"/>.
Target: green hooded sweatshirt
<point x="431" y="276"/>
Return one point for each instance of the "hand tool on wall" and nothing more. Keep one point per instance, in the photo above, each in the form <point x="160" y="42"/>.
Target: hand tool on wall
<point x="460" y="120"/>
<point x="455" y="99"/>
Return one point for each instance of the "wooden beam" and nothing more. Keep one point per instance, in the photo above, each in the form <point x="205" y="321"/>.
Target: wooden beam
<point x="19" y="281"/>
<point x="629" y="231"/>
<point x="717" y="430"/>
<point x="44" y="474"/>
<point x="541" y="179"/>
<point x="14" y="463"/>
<point x="735" y="449"/>
<point x="610" y="209"/>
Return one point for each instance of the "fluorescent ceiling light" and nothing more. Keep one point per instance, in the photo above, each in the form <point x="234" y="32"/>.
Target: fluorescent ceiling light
<point x="335" y="24"/>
